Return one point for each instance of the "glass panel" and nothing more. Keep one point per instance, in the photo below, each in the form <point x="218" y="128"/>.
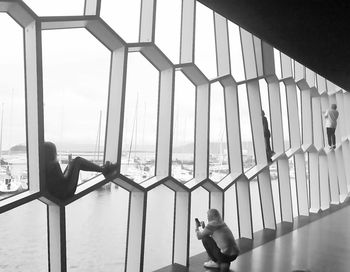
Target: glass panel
<point x="218" y="149"/>
<point x="293" y="186"/>
<point x="205" y="56"/>
<point x="256" y="205"/>
<point x="183" y="134"/>
<point x="307" y="169"/>
<point x="277" y="59"/>
<point x="123" y="16"/>
<point x="299" y="111"/>
<point x="231" y="215"/>
<point x="284" y="116"/>
<point x="246" y="129"/>
<point x="199" y="209"/>
<point x="23" y="234"/>
<point x="13" y="151"/>
<point x="159" y="227"/>
<point x="56" y="7"/>
<point x="275" y="191"/>
<point x="237" y="66"/>
<point x="168" y="20"/>
<point x="97" y="229"/>
<point x="76" y="78"/>
<point x="140" y="119"/>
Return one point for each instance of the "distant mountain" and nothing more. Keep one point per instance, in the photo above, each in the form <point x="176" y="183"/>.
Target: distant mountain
<point x="20" y="148"/>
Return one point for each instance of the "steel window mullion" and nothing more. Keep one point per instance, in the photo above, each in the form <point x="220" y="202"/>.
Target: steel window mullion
<point x="222" y="45"/>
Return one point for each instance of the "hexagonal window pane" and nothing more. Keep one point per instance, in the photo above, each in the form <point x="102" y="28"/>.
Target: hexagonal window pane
<point x="293" y="186"/>
<point x="183" y="133"/>
<point x="140" y="119"/>
<point x="56" y="7"/>
<point x="97" y="230"/>
<point x="199" y="208"/>
<point x="231" y="214"/>
<point x="13" y="151"/>
<point x="76" y="78"/>
<point x="277" y="59"/>
<point x="205" y="55"/>
<point x="236" y="54"/>
<point x="255" y="205"/>
<point x="218" y="149"/>
<point x="168" y="21"/>
<point x="248" y="151"/>
<point x="158" y="255"/>
<point x="285" y="121"/>
<point x="23" y="234"/>
<point x="123" y="17"/>
<point x="275" y="191"/>
<point x="299" y="110"/>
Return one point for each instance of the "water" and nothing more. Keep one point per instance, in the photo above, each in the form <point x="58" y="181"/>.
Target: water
<point x="97" y="229"/>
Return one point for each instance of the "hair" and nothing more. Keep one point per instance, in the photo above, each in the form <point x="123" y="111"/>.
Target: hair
<point x="50" y="151"/>
<point x="334" y="106"/>
<point x="214" y="215"/>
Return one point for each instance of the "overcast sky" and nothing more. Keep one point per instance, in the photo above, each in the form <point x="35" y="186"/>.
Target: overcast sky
<point x="76" y="75"/>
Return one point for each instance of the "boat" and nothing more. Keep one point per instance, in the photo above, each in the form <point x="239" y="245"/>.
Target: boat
<point x="9" y="185"/>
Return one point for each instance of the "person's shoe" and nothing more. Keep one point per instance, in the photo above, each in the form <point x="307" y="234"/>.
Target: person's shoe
<point x="109" y="168"/>
<point x="211" y="264"/>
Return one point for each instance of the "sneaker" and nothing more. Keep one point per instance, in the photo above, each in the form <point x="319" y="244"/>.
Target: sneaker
<point x="109" y="168"/>
<point x="211" y="264"/>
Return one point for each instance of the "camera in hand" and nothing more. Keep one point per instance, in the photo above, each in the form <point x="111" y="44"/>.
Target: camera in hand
<point x="198" y="224"/>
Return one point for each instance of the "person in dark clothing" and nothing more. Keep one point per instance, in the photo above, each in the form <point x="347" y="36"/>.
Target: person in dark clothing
<point x="331" y="116"/>
<point x="267" y="135"/>
<point x="63" y="184"/>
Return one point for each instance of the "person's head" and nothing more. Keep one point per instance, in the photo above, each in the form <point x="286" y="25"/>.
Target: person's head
<point x="334" y="106"/>
<point x="50" y="151"/>
<point x="214" y="215"/>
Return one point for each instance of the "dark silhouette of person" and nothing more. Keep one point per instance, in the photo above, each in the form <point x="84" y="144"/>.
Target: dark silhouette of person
<point x="331" y="117"/>
<point x="64" y="184"/>
<point x="267" y="135"/>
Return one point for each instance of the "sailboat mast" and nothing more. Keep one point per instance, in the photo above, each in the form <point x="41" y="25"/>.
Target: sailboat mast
<point x="98" y="140"/>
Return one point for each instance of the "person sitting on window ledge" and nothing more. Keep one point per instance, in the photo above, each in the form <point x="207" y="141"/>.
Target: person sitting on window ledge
<point x="218" y="241"/>
<point x="64" y="184"/>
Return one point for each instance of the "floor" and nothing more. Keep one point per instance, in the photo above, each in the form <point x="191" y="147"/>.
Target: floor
<point x="320" y="243"/>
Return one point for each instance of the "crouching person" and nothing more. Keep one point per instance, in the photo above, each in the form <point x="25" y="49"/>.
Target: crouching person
<point x="218" y="241"/>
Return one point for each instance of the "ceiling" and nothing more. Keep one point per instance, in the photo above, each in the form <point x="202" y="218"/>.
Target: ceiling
<point x="313" y="32"/>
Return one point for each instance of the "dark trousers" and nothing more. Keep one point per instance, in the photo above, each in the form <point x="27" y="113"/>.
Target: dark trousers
<point x="331" y="136"/>
<point x="214" y="252"/>
<point x="268" y="147"/>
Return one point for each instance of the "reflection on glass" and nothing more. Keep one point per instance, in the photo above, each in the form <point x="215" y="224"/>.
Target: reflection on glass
<point x="168" y="20"/>
<point x="218" y="150"/>
<point x="231" y="215"/>
<point x="299" y="111"/>
<point x="277" y="59"/>
<point x="97" y="229"/>
<point x="293" y="186"/>
<point x="57" y="7"/>
<point x="140" y="119"/>
<point x="284" y="116"/>
<point x="256" y="205"/>
<point x="199" y="208"/>
<point x="246" y="129"/>
<point x="205" y="56"/>
<point x="13" y="151"/>
<point x="275" y="191"/>
<point x="307" y="169"/>
<point x="159" y="227"/>
<point x="123" y="17"/>
<point x="236" y="54"/>
<point x="23" y="236"/>
<point x="183" y="133"/>
<point x="76" y="78"/>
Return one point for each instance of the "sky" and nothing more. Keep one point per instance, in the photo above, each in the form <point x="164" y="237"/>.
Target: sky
<point x="76" y="76"/>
